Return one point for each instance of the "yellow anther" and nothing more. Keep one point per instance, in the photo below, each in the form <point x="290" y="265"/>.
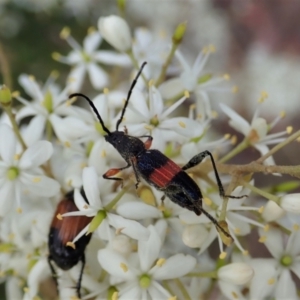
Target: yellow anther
<point x="234" y="294"/>
<point x="19" y="210"/>
<point x="31" y="77"/>
<point x="150" y="83"/>
<point x="245" y="252"/>
<point x="85" y="206"/>
<point x="67" y="144"/>
<point x="261" y="209"/>
<point x="36" y="179"/>
<point x="226" y="76"/>
<point x="207" y="201"/>
<point x="65" y="33"/>
<point x="233" y="140"/>
<point x="26" y="289"/>
<point x="282" y="114"/>
<point x="161" y="262"/>
<point x="289" y="129"/>
<point x="11" y="236"/>
<point x="271" y="281"/>
<point x="83" y="165"/>
<point x="54" y="74"/>
<point x="192" y="106"/>
<point x="296" y="227"/>
<point x="227" y="136"/>
<point x="214" y="114"/>
<point x="263" y="96"/>
<point x="56" y="55"/>
<point x="124" y="267"/>
<point x="266" y="228"/>
<point x="15" y="94"/>
<point x="17" y="156"/>
<point x="237" y="231"/>
<point x="262" y="239"/>
<point x="91" y="30"/>
<point x="103" y="153"/>
<point x="105" y="91"/>
<point x="71" y="244"/>
<point x="173" y="298"/>
<point x="212" y="48"/>
<point x="71" y="79"/>
<point x="182" y="124"/>
<point x="59" y="216"/>
<point x="148" y="127"/>
<point x="235" y="89"/>
<point x="186" y="94"/>
<point x="222" y="255"/>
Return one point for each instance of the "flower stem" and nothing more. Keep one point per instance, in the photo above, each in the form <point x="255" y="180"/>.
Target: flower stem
<point x="211" y="274"/>
<point x="110" y="205"/>
<point x="261" y="192"/>
<point x="239" y="148"/>
<point x="15" y="126"/>
<point x="136" y="65"/>
<point x="49" y="131"/>
<point x="166" y="64"/>
<point x="5" y="69"/>
<point x="183" y="290"/>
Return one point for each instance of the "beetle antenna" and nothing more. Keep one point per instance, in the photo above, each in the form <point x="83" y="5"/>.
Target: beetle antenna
<point x="129" y="94"/>
<point x="91" y="103"/>
<point x="215" y="222"/>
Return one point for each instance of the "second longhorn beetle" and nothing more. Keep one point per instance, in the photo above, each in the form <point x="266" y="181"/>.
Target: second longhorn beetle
<point x="156" y="168"/>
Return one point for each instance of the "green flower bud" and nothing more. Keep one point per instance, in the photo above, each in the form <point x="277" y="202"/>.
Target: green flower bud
<point x="179" y="33"/>
<point x="5" y="95"/>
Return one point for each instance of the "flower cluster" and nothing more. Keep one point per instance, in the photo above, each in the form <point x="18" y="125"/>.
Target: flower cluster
<point x="142" y="245"/>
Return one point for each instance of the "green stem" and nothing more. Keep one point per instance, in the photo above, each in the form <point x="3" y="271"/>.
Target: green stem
<point x="166" y="64"/>
<point x="211" y="274"/>
<point x="110" y="205"/>
<point x="239" y="148"/>
<point x="15" y="126"/>
<point x="183" y="290"/>
<point x="49" y="131"/>
<point x="136" y="65"/>
<point x="261" y="192"/>
<point x="5" y="69"/>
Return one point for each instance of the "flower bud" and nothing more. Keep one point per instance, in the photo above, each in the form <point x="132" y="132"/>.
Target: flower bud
<point x="236" y="273"/>
<point x="116" y="32"/>
<point x="194" y="235"/>
<point x="5" y="95"/>
<point x="121" y="243"/>
<point x="272" y="211"/>
<point x="179" y="33"/>
<point x="291" y="203"/>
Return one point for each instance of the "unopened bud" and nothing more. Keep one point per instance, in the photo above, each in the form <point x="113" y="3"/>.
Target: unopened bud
<point x="194" y="235"/>
<point x="291" y="203"/>
<point x="272" y="211"/>
<point x="5" y="95"/>
<point x="116" y="32"/>
<point x="236" y="273"/>
<point x="179" y="33"/>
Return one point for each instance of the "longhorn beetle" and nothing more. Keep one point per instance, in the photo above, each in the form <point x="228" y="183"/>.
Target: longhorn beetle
<point x="64" y="231"/>
<point x="156" y="168"/>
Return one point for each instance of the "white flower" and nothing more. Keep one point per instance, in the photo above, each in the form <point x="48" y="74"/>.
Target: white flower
<point x="95" y="207"/>
<point x="272" y="211"/>
<point x="255" y="132"/>
<point x="286" y="260"/>
<point x="116" y="32"/>
<point x="194" y="80"/>
<point x="142" y="119"/>
<point x="85" y="60"/>
<point x="47" y="102"/>
<point x="291" y="203"/>
<point x="141" y="273"/>
<point x="20" y="173"/>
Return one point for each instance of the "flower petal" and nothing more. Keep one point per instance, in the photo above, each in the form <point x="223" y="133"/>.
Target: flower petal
<point x="7" y="199"/>
<point x="137" y="210"/>
<point x="175" y="266"/>
<point x="112" y="58"/>
<point x="7" y="149"/>
<point x="129" y="227"/>
<point x="285" y="287"/>
<point x="36" y="155"/>
<point x="91" y="186"/>
<point x="91" y="42"/>
<point x="98" y="77"/>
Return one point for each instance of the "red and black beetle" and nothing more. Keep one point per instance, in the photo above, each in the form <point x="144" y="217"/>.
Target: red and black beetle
<point x="62" y="232"/>
<point x="156" y="168"/>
